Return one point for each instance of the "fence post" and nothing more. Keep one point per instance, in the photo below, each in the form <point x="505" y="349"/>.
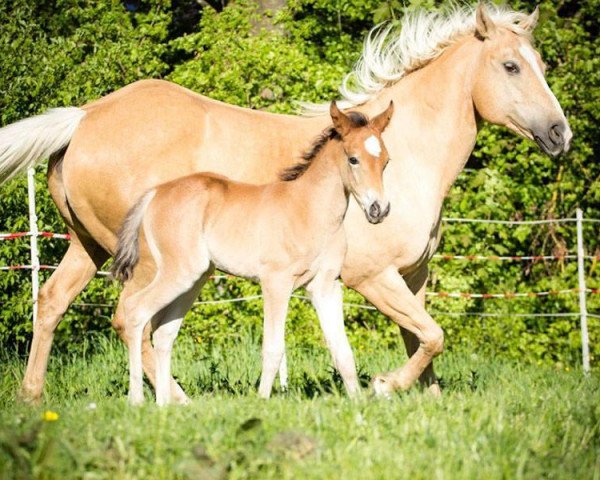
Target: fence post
<point x="585" y="347"/>
<point x="33" y="246"/>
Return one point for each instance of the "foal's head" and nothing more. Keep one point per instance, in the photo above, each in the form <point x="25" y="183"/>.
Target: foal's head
<point x="364" y="158"/>
<point x="510" y="88"/>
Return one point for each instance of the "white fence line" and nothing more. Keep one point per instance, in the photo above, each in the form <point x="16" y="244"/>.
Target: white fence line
<point x="585" y="342"/>
<point x="580" y="256"/>
<point x="33" y="227"/>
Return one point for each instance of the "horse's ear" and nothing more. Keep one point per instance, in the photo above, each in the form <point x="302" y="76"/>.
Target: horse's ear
<point x="484" y="25"/>
<point x="383" y="119"/>
<point x="531" y="21"/>
<point x="341" y="122"/>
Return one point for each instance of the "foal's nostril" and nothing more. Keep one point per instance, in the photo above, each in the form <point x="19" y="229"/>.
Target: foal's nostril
<point x="556" y="134"/>
<point x="374" y="210"/>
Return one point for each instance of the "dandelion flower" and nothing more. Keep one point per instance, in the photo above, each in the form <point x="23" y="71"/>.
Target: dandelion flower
<point x="50" y="416"/>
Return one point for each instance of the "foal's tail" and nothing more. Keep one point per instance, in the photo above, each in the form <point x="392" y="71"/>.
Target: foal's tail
<point x="24" y="143"/>
<point x="128" y="243"/>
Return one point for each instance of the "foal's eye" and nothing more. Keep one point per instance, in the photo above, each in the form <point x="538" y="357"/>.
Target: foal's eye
<point x="353" y="160"/>
<point x="511" y="67"/>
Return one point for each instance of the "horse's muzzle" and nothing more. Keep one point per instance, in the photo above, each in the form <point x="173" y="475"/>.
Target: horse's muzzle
<point x="555" y="139"/>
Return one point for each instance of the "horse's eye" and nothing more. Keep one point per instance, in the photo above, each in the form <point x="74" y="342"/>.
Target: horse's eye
<point x="353" y="160"/>
<point x="511" y="67"/>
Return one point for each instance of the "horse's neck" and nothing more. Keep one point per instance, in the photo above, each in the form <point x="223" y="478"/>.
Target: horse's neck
<point x="321" y="187"/>
<point x="434" y="129"/>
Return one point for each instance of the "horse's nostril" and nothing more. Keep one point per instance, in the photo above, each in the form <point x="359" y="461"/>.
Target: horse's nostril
<point x="374" y="210"/>
<point x="386" y="211"/>
<point x="556" y="134"/>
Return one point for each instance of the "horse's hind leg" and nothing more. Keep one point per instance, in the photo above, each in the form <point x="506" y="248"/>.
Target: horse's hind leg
<point x="76" y="269"/>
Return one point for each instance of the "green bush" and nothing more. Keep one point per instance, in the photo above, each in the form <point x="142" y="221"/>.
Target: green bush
<point x="73" y="51"/>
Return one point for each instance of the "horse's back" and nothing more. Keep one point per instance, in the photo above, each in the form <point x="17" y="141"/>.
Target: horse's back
<point x="153" y="131"/>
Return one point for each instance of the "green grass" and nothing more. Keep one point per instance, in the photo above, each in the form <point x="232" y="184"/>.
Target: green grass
<point x="496" y="420"/>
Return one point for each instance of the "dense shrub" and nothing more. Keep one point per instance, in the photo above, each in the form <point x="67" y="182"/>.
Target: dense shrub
<point x="73" y="51"/>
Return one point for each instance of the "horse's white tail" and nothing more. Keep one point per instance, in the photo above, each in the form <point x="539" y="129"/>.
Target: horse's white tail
<point x="24" y="143"/>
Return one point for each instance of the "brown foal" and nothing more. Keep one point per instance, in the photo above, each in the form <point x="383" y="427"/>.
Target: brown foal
<point x="285" y="234"/>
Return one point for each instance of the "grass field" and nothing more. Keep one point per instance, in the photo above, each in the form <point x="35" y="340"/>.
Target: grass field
<point x="496" y="420"/>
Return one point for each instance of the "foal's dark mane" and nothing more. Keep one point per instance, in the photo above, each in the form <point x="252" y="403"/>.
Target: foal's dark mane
<point x="330" y="133"/>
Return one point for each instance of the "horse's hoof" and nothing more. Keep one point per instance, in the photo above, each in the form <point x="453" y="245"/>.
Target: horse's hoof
<point x="435" y="390"/>
<point x="29" y="398"/>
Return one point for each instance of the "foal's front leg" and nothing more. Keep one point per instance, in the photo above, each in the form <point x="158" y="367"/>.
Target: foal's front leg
<point x="276" y="294"/>
<point x="326" y="296"/>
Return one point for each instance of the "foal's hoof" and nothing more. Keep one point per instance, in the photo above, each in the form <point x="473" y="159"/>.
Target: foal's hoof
<point x="382" y="386"/>
<point x="135" y="401"/>
<point x="180" y="399"/>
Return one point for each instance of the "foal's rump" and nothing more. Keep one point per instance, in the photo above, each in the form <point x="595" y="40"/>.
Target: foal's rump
<point x="171" y="216"/>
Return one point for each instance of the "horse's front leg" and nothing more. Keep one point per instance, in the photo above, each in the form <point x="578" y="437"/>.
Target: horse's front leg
<point x="276" y="296"/>
<point x="326" y="296"/>
<point x="392" y="296"/>
<point x="417" y="283"/>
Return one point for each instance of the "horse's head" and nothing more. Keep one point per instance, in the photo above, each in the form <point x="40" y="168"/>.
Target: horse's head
<point x="510" y="88"/>
<point x="365" y="157"/>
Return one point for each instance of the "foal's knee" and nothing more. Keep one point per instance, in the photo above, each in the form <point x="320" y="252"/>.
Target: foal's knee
<point x="433" y="341"/>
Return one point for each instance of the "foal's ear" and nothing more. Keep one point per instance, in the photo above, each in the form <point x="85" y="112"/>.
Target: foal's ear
<point x="381" y="121"/>
<point x="531" y="21"/>
<point x="484" y="25"/>
<point x="341" y="122"/>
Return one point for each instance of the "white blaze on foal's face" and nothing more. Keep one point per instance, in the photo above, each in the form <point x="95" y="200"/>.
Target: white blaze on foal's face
<point x="373" y="146"/>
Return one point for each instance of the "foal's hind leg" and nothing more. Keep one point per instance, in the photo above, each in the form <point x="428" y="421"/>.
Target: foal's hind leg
<point x="141" y="307"/>
<point x="166" y="326"/>
<point x="76" y="269"/>
<point x="148" y="354"/>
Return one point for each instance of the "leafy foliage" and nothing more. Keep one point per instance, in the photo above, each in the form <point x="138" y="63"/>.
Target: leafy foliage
<point x="73" y="51"/>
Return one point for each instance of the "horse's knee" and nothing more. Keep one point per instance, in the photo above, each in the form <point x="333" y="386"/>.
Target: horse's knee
<point x="433" y="341"/>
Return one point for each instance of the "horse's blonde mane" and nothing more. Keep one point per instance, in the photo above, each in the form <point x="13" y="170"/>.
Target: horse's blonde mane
<point x="391" y="52"/>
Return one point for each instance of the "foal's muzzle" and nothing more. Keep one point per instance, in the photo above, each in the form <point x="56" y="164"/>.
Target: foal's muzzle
<point x="555" y="139"/>
<point x="376" y="214"/>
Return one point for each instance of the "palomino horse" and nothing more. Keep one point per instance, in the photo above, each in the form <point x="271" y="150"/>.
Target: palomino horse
<point x="446" y="70"/>
<point x="286" y="234"/>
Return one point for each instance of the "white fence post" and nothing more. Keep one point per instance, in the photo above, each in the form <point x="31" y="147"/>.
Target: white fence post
<point x="585" y="347"/>
<point x="33" y="230"/>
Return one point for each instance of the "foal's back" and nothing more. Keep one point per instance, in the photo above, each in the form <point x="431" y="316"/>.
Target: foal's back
<point x="242" y="228"/>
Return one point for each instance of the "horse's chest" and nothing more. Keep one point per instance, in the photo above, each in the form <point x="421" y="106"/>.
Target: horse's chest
<point x="415" y="244"/>
<point x="405" y="240"/>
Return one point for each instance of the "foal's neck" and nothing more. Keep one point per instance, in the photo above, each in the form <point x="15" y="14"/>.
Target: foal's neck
<point x="321" y="187"/>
